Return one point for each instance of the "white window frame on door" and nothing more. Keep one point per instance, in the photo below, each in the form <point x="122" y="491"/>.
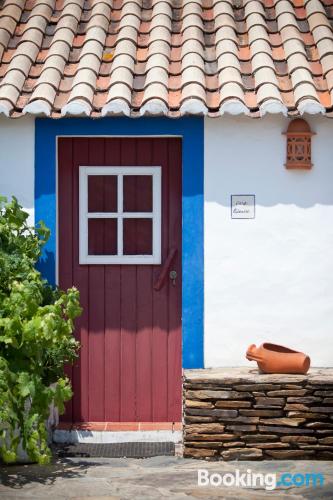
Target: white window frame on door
<point x="120" y="215"/>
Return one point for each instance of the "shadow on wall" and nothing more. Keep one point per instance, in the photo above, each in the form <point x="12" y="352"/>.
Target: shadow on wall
<point x="46" y="264"/>
<point x="247" y="156"/>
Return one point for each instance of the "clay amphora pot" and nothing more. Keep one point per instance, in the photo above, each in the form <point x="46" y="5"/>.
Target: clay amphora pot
<point x="272" y="358"/>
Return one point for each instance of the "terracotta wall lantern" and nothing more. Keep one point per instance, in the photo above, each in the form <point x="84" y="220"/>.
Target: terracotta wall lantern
<point x="299" y="145"/>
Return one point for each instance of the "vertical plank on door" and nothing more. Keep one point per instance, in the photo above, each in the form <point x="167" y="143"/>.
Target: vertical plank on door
<point x="65" y="195"/>
<point x="160" y="298"/>
<point x="144" y="313"/>
<point x="128" y="299"/>
<point x="174" y="303"/>
<point x="112" y="316"/>
<point x="96" y="315"/>
<point x="81" y="281"/>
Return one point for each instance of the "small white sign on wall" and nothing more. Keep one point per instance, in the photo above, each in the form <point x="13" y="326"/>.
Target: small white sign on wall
<point x="243" y="206"/>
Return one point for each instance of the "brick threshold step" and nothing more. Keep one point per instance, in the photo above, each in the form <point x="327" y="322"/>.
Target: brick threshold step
<point x="120" y="426"/>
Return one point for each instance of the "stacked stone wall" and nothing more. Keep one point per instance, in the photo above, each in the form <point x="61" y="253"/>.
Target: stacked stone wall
<point x="243" y="415"/>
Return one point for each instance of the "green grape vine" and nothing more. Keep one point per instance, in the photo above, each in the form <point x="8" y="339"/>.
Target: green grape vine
<point x="36" y="338"/>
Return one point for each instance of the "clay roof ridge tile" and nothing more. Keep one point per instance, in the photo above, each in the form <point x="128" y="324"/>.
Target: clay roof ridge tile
<point x="304" y="90"/>
<point x="130" y="21"/>
<point x="216" y="2"/>
<point x="232" y="93"/>
<point x="283" y="6"/>
<point x="155" y="96"/>
<point x="41" y="90"/>
<point x="158" y="61"/>
<point x="19" y="3"/>
<point x="186" y="3"/>
<point x="130" y="13"/>
<point x="324" y="48"/>
<point x="43" y="10"/>
<point x="191" y="9"/>
<point x="193" y="60"/>
<point x="43" y="76"/>
<point x="159" y="22"/>
<point x="227" y="70"/>
<point x="254" y="8"/>
<point x="262" y="60"/>
<point x="290" y="32"/>
<point x="229" y="74"/>
<point x="325" y="31"/>
<point x="313" y="7"/>
<point x="8" y="25"/>
<point x="13" y="12"/>
<point x="122" y="61"/>
<point x="138" y="3"/>
<point x="65" y="19"/>
<point x="125" y="46"/>
<point x="327" y="62"/>
<point x="28" y="49"/>
<point x="221" y="6"/>
<point x="39" y="27"/>
<point x="157" y="76"/>
<point x="4" y="39"/>
<point x="224" y="20"/>
<point x="24" y="43"/>
<point x="193" y="84"/>
<point x="329" y="79"/>
<point x="265" y="75"/>
<point x="98" y="21"/>
<point x="323" y="40"/>
<point x="156" y="32"/>
<point x="228" y="39"/>
<point x="10" y="95"/>
<point x="266" y="84"/>
<point x="308" y="93"/>
<point x="119" y="94"/>
<point x="293" y="47"/>
<point x="7" y="29"/>
<point x="318" y="10"/>
<point x="161" y="9"/>
<point x="97" y="33"/>
<point x="68" y="4"/>
<point x="157" y="3"/>
<point x="64" y="34"/>
<point x="194" y="27"/>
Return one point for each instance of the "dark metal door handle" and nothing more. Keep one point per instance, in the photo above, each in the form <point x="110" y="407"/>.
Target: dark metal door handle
<point x="164" y="272"/>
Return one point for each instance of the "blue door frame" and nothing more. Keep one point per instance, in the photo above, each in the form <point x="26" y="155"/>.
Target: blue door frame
<point x="191" y="129"/>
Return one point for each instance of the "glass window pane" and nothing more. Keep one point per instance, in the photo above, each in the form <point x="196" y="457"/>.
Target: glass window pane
<point x="138" y="236"/>
<point x="102" y="237"/>
<point x="102" y="193"/>
<point x="138" y="193"/>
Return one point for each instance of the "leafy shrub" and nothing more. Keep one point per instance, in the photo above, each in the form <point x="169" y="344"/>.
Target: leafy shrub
<point x="36" y="341"/>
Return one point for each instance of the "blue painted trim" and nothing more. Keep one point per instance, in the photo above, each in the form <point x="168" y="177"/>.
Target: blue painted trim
<point x="192" y="131"/>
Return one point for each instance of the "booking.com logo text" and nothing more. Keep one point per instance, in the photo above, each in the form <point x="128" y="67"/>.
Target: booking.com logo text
<point x="268" y="481"/>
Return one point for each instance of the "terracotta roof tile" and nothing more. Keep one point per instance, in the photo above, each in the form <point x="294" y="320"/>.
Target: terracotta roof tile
<point x="173" y="57"/>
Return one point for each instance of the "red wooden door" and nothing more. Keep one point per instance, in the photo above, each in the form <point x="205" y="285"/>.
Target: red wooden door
<point x="130" y="333"/>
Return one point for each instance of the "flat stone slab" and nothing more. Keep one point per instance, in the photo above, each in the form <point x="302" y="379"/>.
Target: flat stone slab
<point x="153" y="478"/>
<point x="244" y="375"/>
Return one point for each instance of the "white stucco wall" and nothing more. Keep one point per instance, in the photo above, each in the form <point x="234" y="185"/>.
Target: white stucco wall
<point x="17" y="143"/>
<point x="267" y="279"/>
<point x="271" y="278"/>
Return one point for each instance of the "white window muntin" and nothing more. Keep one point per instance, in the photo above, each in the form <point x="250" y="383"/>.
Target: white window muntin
<point x="155" y="215"/>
